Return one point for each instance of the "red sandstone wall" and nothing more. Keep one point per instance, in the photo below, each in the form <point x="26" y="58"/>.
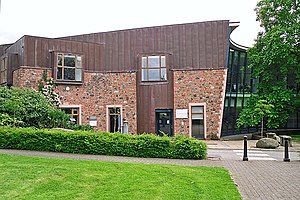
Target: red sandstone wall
<point x="102" y="89"/>
<point x="203" y="86"/>
<point x="97" y="91"/>
<point x="29" y="76"/>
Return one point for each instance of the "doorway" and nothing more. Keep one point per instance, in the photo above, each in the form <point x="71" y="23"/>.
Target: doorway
<point x="197" y="118"/>
<point x="164" y="122"/>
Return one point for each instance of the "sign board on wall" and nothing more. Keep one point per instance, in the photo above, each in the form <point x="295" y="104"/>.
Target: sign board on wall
<point x="93" y="121"/>
<point x="181" y="113"/>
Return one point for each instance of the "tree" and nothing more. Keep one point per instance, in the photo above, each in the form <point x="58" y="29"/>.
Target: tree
<point x="255" y="114"/>
<point x="275" y="60"/>
<point x="276" y="53"/>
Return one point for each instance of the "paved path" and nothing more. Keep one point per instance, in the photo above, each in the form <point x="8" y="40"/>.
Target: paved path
<point x="276" y="180"/>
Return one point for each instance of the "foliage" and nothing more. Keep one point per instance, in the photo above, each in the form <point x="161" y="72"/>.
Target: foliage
<point x="296" y="137"/>
<point x="47" y="87"/>
<point x="24" y="177"/>
<point x="79" y="127"/>
<point x="6" y="120"/>
<point x="255" y="113"/>
<point x="275" y="60"/>
<point x="274" y="107"/>
<point x="145" y="145"/>
<point x="276" y="53"/>
<point x="29" y="108"/>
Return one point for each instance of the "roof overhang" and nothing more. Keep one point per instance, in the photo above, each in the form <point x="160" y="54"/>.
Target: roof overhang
<point x="233" y="45"/>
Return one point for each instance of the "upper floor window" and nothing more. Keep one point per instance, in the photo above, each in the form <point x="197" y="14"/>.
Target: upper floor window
<point x="154" y="68"/>
<point x="69" y="67"/>
<point x="3" y="70"/>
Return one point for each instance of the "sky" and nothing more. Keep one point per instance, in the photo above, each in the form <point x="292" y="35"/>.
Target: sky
<point x="59" y="18"/>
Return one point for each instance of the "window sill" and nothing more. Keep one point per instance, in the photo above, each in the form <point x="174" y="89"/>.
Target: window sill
<point x="154" y="82"/>
<point x="68" y="82"/>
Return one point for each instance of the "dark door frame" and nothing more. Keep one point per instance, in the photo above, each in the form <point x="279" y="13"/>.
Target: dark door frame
<point x="171" y="120"/>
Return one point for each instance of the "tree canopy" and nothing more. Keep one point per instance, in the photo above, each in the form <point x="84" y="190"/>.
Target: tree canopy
<point x="275" y="56"/>
<point x="275" y="60"/>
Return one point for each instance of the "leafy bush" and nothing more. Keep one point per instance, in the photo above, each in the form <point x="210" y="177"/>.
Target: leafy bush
<point x="103" y="143"/>
<point x="6" y="120"/>
<point x="81" y="127"/>
<point x="30" y="108"/>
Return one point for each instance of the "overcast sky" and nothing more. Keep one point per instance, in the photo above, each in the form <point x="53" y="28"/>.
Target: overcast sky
<point x="58" y="18"/>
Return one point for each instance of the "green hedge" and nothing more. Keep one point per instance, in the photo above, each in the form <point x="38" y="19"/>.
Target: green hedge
<point x="103" y="143"/>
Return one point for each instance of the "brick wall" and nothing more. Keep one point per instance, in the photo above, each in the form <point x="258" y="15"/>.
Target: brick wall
<point x="97" y="91"/>
<point x="203" y="87"/>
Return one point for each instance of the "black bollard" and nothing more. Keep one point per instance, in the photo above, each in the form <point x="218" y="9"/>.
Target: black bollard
<point x="245" y="157"/>
<point x="286" y="150"/>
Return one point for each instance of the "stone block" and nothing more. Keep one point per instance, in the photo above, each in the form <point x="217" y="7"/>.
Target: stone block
<point x="267" y="143"/>
<point x="282" y="139"/>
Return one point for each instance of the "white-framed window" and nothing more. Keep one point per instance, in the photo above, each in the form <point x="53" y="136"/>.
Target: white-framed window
<point x="74" y="111"/>
<point x="68" y="67"/>
<point x="197" y="120"/>
<point x="154" y="68"/>
<point x="114" y="120"/>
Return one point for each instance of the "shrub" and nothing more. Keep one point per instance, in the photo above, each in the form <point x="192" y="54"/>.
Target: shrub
<point x="81" y="127"/>
<point x="103" y="143"/>
<point x="31" y="108"/>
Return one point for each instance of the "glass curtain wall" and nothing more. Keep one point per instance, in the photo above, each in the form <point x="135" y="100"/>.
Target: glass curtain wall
<point x="239" y="87"/>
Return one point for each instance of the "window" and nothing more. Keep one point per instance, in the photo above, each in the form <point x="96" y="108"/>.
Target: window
<point x="74" y="113"/>
<point x="114" y="118"/>
<point x="154" y="68"/>
<point x="69" y="67"/>
<point x="3" y="70"/>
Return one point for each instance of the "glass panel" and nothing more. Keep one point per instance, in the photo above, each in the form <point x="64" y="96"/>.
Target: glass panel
<point x="154" y="74"/>
<point x="69" y="74"/>
<point x="144" y="75"/>
<point x="197" y="109"/>
<point x="113" y="111"/>
<point x="163" y="61"/>
<point x="78" y="74"/>
<point x="59" y="73"/>
<point x="79" y="63"/>
<point x="163" y="75"/>
<point x="75" y="111"/>
<point x="197" y="116"/>
<point x="59" y="60"/>
<point x="69" y="60"/>
<point x="67" y="110"/>
<point x="198" y="129"/>
<point x="144" y="62"/>
<point x="75" y="119"/>
<point x="153" y="61"/>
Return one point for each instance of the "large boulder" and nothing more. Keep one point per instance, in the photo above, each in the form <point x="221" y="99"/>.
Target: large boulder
<point x="267" y="143"/>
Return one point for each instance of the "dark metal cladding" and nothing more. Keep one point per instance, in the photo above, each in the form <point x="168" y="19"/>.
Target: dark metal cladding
<point x="199" y="45"/>
<point x="38" y="52"/>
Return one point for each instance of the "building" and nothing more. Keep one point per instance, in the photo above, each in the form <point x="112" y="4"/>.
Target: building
<point x="165" y="79"/>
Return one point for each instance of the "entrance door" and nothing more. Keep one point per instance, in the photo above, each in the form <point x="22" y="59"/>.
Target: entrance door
<point x="198" y="122"/>
<point x="164" y="122"/>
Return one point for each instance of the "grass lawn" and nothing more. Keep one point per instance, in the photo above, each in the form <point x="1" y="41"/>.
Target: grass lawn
<point x="23" y="177"/>
<point x="296" y="137"/>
